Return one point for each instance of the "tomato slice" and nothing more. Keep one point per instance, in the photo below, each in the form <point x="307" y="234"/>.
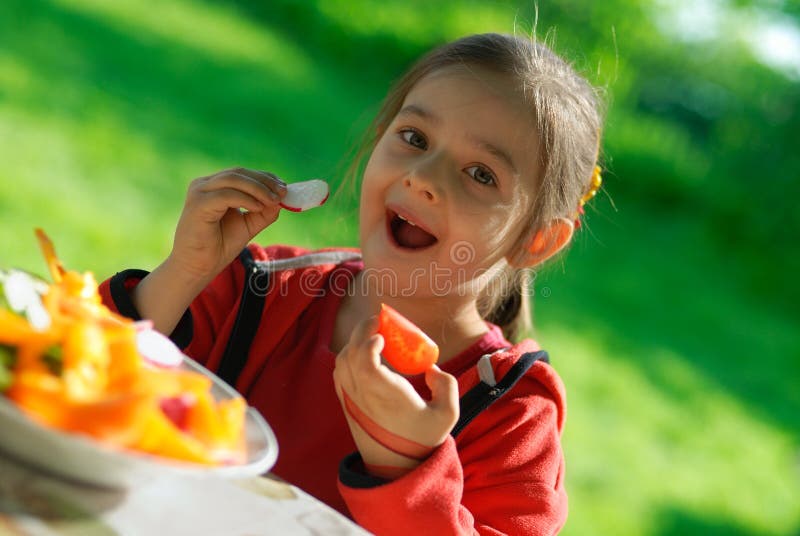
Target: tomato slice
<point x="407" y="348"/>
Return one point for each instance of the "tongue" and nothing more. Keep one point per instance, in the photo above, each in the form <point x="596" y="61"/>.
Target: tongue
<point x="411" y="236"/>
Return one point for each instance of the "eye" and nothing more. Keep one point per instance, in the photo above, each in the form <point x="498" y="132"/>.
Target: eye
<point x="482" y="174"/>
<point x="414" y="138"/>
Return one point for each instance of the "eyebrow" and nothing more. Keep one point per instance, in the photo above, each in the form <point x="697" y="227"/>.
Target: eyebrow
<point x="413" y="110"/>
<point x="417" y="111"/>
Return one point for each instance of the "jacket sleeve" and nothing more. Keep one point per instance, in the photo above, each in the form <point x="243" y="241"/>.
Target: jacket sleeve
<point x="503" y="475"/>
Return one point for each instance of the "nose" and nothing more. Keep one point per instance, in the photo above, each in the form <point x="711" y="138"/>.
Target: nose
<point x="420" y="187"/>
<point x="425" y="181"/>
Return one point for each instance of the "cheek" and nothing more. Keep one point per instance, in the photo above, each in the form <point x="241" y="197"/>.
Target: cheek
<point x="490" y="239"/>
<point x="370" y="206"/>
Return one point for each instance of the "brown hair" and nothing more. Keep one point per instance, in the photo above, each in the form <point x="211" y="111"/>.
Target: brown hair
<point x="568" y="117"/>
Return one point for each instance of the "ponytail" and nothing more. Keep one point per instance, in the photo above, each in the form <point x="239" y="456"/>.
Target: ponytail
<point x="505" y="303"/>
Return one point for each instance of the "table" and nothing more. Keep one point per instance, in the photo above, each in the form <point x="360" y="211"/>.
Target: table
<point x="32" y="502"/>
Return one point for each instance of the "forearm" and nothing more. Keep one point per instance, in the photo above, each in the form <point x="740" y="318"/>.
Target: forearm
<point x="165" y="294"/>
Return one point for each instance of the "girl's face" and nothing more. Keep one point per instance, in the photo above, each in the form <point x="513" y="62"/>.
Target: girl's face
<point x="447" y="185"/>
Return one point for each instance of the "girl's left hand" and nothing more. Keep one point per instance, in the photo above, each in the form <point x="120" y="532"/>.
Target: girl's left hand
<point x="389" y="400"/>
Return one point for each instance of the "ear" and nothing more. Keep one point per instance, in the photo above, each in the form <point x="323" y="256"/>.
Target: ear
<point x="547" y="241"/>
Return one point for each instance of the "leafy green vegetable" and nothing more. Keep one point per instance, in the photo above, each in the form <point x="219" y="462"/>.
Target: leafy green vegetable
<point x="7" y="359"/>
<point x="54" y="360"/>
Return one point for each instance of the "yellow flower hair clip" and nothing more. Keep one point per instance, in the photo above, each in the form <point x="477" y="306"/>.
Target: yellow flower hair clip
<point x="594" y="185"/>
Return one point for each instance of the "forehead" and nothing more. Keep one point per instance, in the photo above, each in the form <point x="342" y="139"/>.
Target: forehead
<point x="479" y="104"/>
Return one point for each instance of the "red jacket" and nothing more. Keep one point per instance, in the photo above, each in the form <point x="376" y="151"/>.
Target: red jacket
<point x="503" y="473"/>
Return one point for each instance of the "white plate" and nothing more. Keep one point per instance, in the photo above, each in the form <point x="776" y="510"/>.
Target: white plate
<point x="83" y="459"/>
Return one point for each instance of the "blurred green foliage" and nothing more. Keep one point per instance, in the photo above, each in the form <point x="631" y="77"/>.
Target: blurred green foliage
<point x="673" y="318"/>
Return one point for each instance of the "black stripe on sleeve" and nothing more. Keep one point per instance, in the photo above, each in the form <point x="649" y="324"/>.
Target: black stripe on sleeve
<point x="181" y="335"/>
<point x="122" y="300"/>
<point x="247" y="321"/>
<point x="484" y="395"/>
<point x="351" y="476"/>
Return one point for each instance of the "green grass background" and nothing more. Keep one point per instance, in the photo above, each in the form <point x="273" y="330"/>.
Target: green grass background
<point x="673" y="318"/>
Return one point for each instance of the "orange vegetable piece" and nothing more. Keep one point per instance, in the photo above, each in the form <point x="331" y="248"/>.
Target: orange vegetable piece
<point x="49" y="253"/>
<point x="203" y="420"/>
<point x="232" y="414"/>
<point x="170" y="382"/>
<point x="161" y="437"/>
<point x="118" y="419"/>
<point x="84" y="374"/>
<point x="127" y="363"/>
<point x="86" y="360"/>
<point x="15" y="330"/>
<point x="407" y="348"/>
<point x="40" y="394"/>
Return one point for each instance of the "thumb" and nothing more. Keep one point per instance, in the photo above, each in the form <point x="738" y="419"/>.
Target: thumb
<point x="444" y="390"/>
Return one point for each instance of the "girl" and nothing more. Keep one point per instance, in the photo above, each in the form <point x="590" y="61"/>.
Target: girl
<point x="482" y="156"/>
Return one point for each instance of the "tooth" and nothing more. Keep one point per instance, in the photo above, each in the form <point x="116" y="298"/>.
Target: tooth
<point x="411" y="223"/>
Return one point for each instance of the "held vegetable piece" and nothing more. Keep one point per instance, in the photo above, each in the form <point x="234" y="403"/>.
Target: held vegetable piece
<point x="305" y="195"/>
<point x="407" y="348"/>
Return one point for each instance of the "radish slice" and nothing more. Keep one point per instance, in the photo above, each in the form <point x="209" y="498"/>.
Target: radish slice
<point x="22" y="296"/>
<point x="158" y="349"/>
<point x="20" y="291"/>
<point x="304" y="195"/>
<point x="177" y="408"/>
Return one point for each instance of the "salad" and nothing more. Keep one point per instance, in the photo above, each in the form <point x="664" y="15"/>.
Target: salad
<point x="70" y="363"/>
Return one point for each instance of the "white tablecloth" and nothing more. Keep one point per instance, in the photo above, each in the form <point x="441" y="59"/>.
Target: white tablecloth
<point x="32" y="502"/>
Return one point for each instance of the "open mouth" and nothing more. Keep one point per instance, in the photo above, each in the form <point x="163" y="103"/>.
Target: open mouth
<point x="406" y="234"/>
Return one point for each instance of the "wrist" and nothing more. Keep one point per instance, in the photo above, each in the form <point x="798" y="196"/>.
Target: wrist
<point x="165" y="295"/>
<point x="388" y="465"/>
<point x="186" y="278"/>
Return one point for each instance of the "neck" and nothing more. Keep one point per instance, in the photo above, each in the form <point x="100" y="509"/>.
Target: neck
<point x="451" y="321"/>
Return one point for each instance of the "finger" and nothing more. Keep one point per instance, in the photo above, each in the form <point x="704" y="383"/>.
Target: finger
<point x="274" y="187"/>
<point x="364" y="330"/>
<point x="343" y="369"/>
<point x="267" y="178"/>
<point x="444" y="390"/>
<point x="249" y="223"/>
<point x="367" y="345"/>
<point x="374" y="347"/>
<point x="272" y="179"/>
<point x="257" y="220"/>
<point x="217" y="202"/>
<point x="243" y="182"/>
<point x="337" y="382"/>
<point x="364" y="359"/>
<point x="262" y="176"/>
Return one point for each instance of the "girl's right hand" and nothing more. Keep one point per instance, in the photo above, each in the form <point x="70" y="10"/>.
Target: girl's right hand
<point x="213" y="229"/>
